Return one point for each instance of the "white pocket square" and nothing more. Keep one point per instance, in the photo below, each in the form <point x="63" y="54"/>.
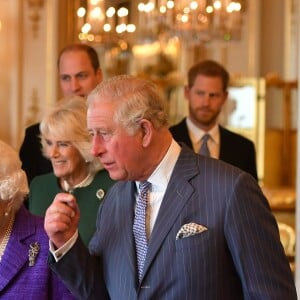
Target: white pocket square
<point x="189" y="229"/>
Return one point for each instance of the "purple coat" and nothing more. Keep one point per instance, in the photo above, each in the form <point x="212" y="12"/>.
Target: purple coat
<point x="18" y="280"/>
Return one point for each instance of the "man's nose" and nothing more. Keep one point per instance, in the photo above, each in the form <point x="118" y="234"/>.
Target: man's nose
<point x="75" y="86"/>
<point x="97" y="145"/>
<point x="205" y="99"/>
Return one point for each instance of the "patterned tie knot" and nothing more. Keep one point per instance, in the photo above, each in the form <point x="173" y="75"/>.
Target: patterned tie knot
<point x="144" y="187"/>
<point x="204" y="147"/>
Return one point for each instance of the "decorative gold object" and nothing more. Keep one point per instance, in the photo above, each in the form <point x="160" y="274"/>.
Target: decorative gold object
<point x="6" y="236"/>
<point x="286" y="88"/>
<point x="34" y="14"/>
<point x="33" y="108"/>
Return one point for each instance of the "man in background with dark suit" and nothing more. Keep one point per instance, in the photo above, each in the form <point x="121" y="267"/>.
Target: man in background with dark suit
<point x="198" y="229"/>
<point x="79" y="73"/>
<point x="206" y="93"/>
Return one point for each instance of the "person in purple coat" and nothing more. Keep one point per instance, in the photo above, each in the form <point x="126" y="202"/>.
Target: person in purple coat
<point x="24" y="272"/>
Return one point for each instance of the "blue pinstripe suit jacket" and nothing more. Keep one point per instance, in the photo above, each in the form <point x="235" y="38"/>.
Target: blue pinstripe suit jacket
<point x="238" y="257"/>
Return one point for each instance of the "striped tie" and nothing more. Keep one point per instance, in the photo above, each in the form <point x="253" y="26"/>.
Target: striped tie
<point x="139" y="226"/>
<point x="204" y="147"/>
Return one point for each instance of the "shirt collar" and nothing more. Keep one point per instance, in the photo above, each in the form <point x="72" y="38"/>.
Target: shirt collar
<point x="196" y="133"/>
<point x="161" y="175"/>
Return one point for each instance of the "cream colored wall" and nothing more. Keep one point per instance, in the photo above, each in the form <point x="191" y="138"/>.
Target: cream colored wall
<point x="9" y="71"/>
<point x="38" y="57"/>
<point x="298" y="170"/>
<point x="27" y="74"/>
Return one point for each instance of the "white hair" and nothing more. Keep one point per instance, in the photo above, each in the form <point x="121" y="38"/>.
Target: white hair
<point x="13" y="180"/>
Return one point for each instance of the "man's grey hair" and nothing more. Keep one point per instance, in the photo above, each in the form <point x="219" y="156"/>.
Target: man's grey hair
<point x="135" y="99"/>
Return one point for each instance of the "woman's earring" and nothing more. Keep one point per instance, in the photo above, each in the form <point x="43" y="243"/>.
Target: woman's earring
<point x="9" y="206"/>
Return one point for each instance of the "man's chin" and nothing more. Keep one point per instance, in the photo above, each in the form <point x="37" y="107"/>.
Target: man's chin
<point x="114" y="175"/>
<point x="206" y="120"/>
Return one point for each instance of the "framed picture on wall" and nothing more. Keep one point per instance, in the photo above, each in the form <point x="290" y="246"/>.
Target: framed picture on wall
<point x="244" y="113"/>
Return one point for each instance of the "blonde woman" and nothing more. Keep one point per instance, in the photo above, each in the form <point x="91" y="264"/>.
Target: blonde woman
<point x="67" y="143"/>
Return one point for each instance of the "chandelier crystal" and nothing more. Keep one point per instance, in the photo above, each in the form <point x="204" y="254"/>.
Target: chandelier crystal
<point x="193" y="21"/>
<point x="101" y="23"/>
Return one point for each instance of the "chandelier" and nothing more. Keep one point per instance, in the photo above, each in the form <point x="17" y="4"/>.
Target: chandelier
<point x="99" y="22"/>
<point x="194" y="21"/>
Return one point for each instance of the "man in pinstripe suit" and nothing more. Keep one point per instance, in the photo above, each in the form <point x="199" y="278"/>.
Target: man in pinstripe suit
<point x="211" y="234"/>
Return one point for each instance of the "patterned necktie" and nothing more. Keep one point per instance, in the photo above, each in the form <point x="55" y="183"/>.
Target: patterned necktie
<point x="204" y="147"/>
<point x="139" y="226"/>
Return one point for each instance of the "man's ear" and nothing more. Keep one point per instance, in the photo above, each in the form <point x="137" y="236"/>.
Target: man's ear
<point x="99" y="75"/>
<point x="147" y="131"/>
<point x="186" y="92"/>
<point x="225" y="97"/>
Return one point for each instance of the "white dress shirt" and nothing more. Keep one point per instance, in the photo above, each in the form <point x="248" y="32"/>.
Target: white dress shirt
<point x="196" y="135"/>
<point x="159" y="180"/>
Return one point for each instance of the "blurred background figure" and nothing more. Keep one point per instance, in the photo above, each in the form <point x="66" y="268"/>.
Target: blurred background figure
<point x="67" y="144"/>
<point x="23" y="242"/>
<point x="79" y="73"/>
<point x="206" y="93"/>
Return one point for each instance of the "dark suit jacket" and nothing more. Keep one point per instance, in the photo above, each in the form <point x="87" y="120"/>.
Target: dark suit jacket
<point x="18" y="280"/>
<point x="33" y="161"/>
<point x="234" y="148"/>
<point x="239" y="256"/>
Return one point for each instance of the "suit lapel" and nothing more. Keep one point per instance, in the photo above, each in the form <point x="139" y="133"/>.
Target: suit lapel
<point x="177" y="195"/>
<point x="180" y="133"/>
<point x="127" y="200"/>
<point x="16" y="253"/>
<point x="226" y="145"/>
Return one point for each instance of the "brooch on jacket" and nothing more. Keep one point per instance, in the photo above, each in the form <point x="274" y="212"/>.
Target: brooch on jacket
<point x="33" y="252"/>
<point x="100" y="194"/>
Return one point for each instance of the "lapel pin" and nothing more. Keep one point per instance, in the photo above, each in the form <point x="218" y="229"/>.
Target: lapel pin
<point x="33" y="252"/>
<point x="100" y="194"/>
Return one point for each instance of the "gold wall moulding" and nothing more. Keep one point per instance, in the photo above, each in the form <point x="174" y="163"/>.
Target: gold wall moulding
<point x="34" y="14"/>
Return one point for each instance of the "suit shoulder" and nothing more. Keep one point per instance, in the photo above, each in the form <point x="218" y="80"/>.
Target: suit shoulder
<point x="228" y="134"/>
<point x="26" y="219"/>
<point x="118" y="188"/>
<point x="179" y="126"/>
<point x="33" y="129"/>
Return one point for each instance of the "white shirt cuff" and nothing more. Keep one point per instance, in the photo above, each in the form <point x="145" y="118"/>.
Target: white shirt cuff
<point x="60" y="252"/>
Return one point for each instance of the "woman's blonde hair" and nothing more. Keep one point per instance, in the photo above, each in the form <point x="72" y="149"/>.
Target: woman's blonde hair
<point x="67" y="122"/>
